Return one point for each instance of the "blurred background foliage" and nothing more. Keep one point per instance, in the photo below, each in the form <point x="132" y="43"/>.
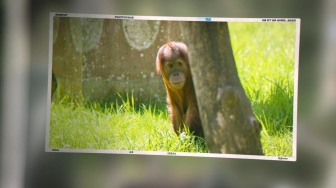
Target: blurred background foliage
<point x="23" y="91"/>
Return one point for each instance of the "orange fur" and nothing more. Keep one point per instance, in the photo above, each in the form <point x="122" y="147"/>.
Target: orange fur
<point x="182" y="103"/>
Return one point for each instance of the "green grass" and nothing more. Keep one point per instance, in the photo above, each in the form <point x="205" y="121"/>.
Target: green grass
<point x="264" y="54"/>
<point x="116" y="127"/>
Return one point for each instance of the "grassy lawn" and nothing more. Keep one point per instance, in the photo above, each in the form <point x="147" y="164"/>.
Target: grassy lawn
<point x="264" y="53"/>
<point x="117" y="127"/>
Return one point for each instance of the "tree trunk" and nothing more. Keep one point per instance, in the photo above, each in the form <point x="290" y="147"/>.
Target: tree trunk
<point x="228" y="121"/>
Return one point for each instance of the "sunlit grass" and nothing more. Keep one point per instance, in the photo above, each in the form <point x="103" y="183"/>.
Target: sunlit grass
<point x="264" y="54"/>
<point x="116" y="127"/>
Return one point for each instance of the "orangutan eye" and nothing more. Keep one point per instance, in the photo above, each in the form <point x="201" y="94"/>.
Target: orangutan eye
<point x="179" y="64"/>
<point x="170" y="66"/>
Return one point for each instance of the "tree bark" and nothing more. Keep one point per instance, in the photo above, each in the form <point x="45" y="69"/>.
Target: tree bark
<point x="228" y="121"/>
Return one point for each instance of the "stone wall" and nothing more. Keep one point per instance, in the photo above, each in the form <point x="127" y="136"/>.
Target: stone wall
<point x="95" y="58"/>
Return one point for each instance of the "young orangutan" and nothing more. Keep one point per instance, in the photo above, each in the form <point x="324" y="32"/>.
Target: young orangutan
<point x="173" y="63"/>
